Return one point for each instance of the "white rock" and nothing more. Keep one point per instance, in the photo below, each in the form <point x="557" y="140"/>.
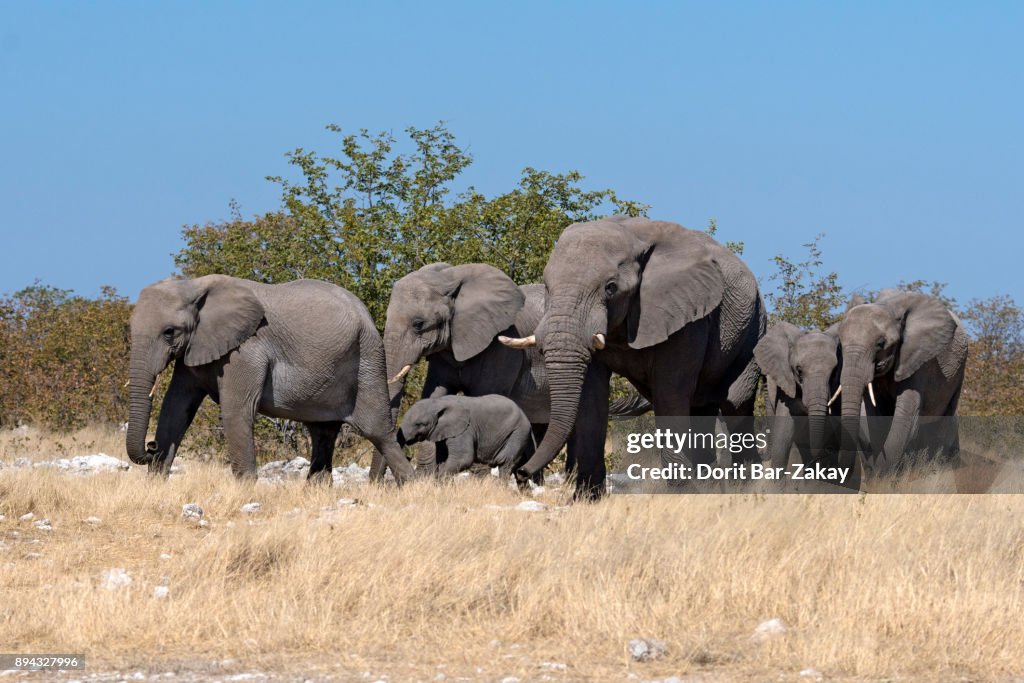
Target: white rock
<point x="296" y="465"/>
<point x="161" y="592"/>
<point x="810" y="673"/>
<point x="113" y="579"/>
<point x="43" y="525"/>
<point x="27" y="517"/>
<point x="204" y="523"/>
<point x="531" y="506"/>
<point x="165" y="556"/>
<point x="769" y="629"/>
<point x="93" y="520"/>
<point x="98" y="462"/>
<point x="510" y="679"/>
<point x="251" y="507"/>
<point x="345" y="502"/>
<point x="191" y="511"/>
<point x="647" y="649"/>
<point x="2" y="518"/>
<point x="553" y="666"/>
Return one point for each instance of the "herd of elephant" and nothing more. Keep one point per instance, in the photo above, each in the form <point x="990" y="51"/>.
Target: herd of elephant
<point x="516" y="373"/>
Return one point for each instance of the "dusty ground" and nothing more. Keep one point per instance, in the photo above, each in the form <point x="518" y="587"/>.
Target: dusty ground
<point x="454" y="582"/>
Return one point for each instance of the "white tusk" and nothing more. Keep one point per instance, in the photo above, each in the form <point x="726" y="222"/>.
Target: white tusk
<point x="513" y="342"/>
<point x="835" y="395"/>
<point x="598" y="341"/>
<point x="127" y="383"/>
<point x="401" y="373"/>
<point x="871" y="395"/>
<point x="153" y="390"/>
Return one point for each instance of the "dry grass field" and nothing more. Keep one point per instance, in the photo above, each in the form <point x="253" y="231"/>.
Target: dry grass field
<point x="450" y="582"/>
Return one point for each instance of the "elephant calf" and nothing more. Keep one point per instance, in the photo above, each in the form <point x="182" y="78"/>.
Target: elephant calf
<point x="491" y="430"/>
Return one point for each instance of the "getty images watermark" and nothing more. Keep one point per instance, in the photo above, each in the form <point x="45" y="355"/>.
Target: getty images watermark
<point x="673" y="442"/>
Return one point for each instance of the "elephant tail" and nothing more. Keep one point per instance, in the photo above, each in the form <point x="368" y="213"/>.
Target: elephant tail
<point x="633" y="405"/>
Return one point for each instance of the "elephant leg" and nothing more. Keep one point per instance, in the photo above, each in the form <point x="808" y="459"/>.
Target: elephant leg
<point x="739" y="419"/>
<point x="904" y="427"/>
<point x="781" y="438"/>
<point x="371" y="416"/>
<point x="323" y="436"/>
<point x="588" y="436"/>
<point x="461" y="455"/>
<point x="240" y="394"/>
<point x="179" y="408"/>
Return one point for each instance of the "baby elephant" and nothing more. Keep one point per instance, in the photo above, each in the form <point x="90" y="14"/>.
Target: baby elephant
<point x="491" y="430"/>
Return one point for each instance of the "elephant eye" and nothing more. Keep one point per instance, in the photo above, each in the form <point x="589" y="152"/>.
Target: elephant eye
<point x="881" y="343"/>
<point x="611" y="288"/>
<point x="169" y="333"/>
<point x="417" y="325"/>
<point x="799" y="373"/>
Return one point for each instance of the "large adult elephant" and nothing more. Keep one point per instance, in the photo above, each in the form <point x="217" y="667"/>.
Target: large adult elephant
<point x="306" y="351"/>
<point x="802" y="368"/>
<point x="668" y="308"/>
<point x="903" y="357"/>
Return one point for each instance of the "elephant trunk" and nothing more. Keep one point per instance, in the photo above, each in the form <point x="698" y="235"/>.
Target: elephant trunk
<point x="858" y="371"/>
<point x="398" y="361"/>
<point x="140" y="381"/>
<point x="566" y="365"/>
<point x="817" y="411"/>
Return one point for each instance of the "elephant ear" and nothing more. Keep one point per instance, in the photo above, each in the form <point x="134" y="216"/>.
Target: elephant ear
<point x="772" y="355"/>
<point x="485" y="302"/>
<point x="856" y="300"/>
<point x="228" y="314"/>
<point x="452" y="420"/>
<point x="928" y="328"/>
<point x="681" y="282"/>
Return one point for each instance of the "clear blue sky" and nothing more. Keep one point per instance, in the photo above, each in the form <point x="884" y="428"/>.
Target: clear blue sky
<point x="894" y="127"/>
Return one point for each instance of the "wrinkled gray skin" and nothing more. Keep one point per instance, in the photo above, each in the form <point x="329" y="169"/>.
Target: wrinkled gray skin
<point x="490" y="430"/>
<point x="802" y="369"/>
<point x="450" y="315"/>
<point x="913" y="350"/>
<point x="306" y="351"/>
<point x="680" y="315"/>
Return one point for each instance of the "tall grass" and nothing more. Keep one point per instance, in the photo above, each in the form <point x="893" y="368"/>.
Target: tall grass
<point x="452" y="578"/>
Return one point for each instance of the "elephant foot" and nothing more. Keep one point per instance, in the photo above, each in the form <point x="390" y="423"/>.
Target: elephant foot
<point x="320" y="478"/>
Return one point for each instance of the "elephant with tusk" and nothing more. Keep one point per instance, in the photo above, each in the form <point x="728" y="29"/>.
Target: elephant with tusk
<point x="670" y="309"/>
<point x="906" y="353"/>
<point x="305" y="350"/>
<point x="802" y="368"/>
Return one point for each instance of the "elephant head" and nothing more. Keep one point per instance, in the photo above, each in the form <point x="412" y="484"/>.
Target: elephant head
<point x="891" y="338"/>
<point x="433" y="419"/>
<point x="630" y="281"/>
<point x="196" y="321"/>
<point x="805" y="366"/>
<point x="446" y="308"/>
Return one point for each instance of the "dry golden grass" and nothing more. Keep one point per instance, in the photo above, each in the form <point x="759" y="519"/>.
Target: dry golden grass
<point x="429" y="579"/>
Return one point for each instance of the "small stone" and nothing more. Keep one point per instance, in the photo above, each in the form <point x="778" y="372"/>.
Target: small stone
<point x="93" y="520"/>
<point x="161" y="592"/>
<point x="769" y="629"/>
<point x="113" y="579"/>
<point x="647" y="649"/>
<point x="43" y="525"/>
<point x="165" y="556"/>
<point x="510" y="679"/>
<point x="531" y="506"/>
<point x="553" y="666"/>
<point x="251" y="507"/>
<point x="810" y="673"/>
<point x="345" y="502"/>
<point x="191" y="511"/>
<point x="204" y="523"/>
<point x="27" y="517"/>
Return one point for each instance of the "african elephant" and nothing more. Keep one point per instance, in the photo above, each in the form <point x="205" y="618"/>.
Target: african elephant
<point x="450" y="315"/>
<point x="491" y="430"/>
<point x="908" y="352"/>
<point x="802" y="369"/>
<point x="306" y="350"/>
<point x="670" y="309"/>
